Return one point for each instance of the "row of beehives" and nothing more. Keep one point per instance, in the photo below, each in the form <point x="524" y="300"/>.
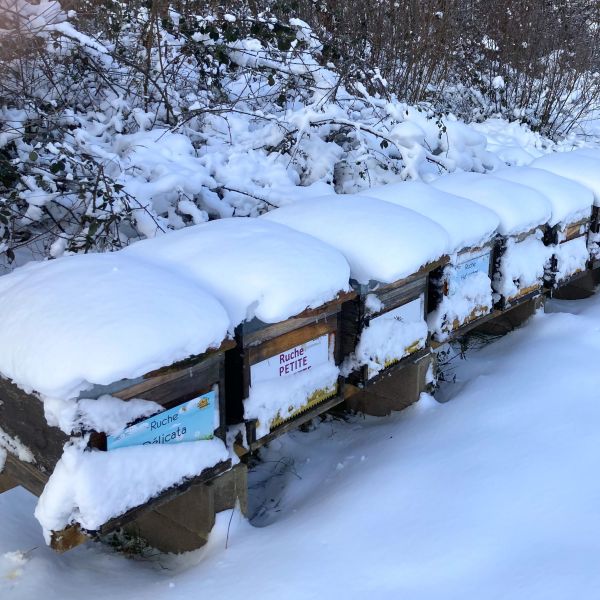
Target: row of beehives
<point x="417" y="278"/>
<point x="325" y="298"/>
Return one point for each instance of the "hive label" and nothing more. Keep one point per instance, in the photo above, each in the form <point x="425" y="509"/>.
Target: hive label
<point x="191" y="421"/>
<point x="467" y="267"/>
<point x="295" y="360"/>
<point x="411" y="312"/>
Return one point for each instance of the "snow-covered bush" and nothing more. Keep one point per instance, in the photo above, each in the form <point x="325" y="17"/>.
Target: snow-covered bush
<point x="121" y="120"/>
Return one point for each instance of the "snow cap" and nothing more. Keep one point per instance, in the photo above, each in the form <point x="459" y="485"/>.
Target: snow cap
<point x="570" y="200"/>
<point x="579" y="165"/>
<point x="467" y="223"/>
<point x="92" y="319"/>
<point x="381" y="241"/>
<point x="519" y="208"/>
<point x="256" y="268"/>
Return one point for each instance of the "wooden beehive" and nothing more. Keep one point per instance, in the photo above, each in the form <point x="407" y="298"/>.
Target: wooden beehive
<point x="278" y="351"/>
<point x="524" y="293"/>
<point x="406" y="299"/>
<point x="563" y="236"/>
<point x="446" y="279"/>
<point x="22" y="417"/>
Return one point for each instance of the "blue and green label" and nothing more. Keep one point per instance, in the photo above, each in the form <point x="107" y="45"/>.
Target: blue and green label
<point x="191" y="421"/>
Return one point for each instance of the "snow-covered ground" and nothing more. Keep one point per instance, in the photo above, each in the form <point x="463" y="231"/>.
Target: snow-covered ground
<point x="492" y="494"/>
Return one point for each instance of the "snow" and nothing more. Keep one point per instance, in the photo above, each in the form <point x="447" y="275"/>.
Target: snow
<point x="512" y="141"/>
<point x="469" y="296"/>
<point x="522" y="266"/>
<point x="467" y="223"/>
<point x="90" y="487"/>
<point x="387" y="339"/>
<point x="571" y="257"/>
<point x="570" y="200"/>
<point x="14" y="446"/>
<point x="492" y="494"/>
<point x="111" y="415"/>
<point x="588" y="152"/>
<point x="256" y="268"/>
<point x="574" y="165"/>
<point x="278" y="398"/>
<point x="99" y="319"/>
<point x="519" y="208"/>
<point x="381" y="241"/>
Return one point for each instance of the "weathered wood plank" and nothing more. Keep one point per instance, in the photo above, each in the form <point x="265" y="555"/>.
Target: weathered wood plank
<point x="22" y="416"/>
<point x="289" y="340"/>
<point x="316" y="312"/>
<point x="27" y="475"/>
<point x="7" y="482"/>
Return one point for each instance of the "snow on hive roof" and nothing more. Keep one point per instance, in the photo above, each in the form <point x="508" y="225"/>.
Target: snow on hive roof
<point x="520" y="208"/>
<point x="98" y="318"/>
<point x="254" y="267"/>
<point x="576" y="165"/>
<point x="588" y="152"/>
<point x="467" y="223"/>
<point x="382" y="242"/>
<point x="570" y="200"/>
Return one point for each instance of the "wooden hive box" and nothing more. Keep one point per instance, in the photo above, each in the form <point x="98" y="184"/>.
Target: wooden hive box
<point x="391" y="251"/>
<point x="523" y="292"/>
<point x="523" y="213"/>
<point x="135" y="314"/>
<point x="569" y="224"/>
<point x="405" y="300"/>
<point x="571" y="238"/>
<point x="594" y="238"/>
<point x="275" y="353"/>
<point x="266" y="275"/>
<point x="446" y="281"/>
<point x="471" y="229"/>
<point x="198" y="380"/>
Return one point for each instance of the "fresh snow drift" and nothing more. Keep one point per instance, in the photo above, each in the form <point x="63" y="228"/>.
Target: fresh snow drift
<point x="467" y="223"/>
<point x="98" y="318"/>
<point x="381" y="241"/>
<point x="256" y="268"/>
